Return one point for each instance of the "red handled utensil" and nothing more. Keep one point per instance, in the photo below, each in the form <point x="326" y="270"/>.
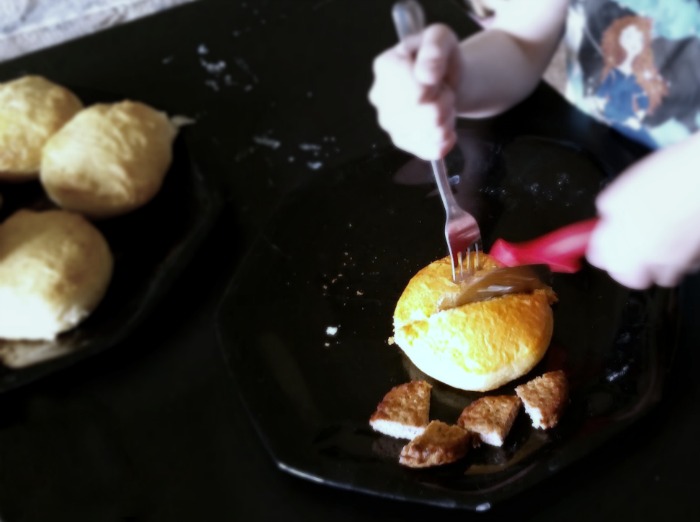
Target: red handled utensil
<point x="561" y="250"/>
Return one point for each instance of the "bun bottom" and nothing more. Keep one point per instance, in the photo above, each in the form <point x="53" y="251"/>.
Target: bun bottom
<point x="478" y="346"/>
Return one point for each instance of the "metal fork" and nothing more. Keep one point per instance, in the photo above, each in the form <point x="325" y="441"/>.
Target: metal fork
<point x="461" y="229"/>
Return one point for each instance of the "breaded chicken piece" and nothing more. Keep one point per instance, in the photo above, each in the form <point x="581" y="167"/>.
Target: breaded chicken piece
<point x="545" y="398"/>
<point x="490" y="417"/>
<point x="440" y="444"/>
<point x="403" y="413"/>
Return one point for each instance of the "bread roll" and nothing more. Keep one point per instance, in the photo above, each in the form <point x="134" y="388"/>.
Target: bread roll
<point x="55" y="267"/>
<point x="478" y="346"/>
<point x="32" y="109"/>
<point x="109" y="159"/>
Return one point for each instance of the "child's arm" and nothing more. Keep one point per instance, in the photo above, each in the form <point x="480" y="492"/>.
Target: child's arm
<point x="502" y="65"/>
<point x="419" y="93"/>
<point x="649" y="231"/>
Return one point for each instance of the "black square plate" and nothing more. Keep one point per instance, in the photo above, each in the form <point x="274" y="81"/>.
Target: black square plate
<point x="304" y="324"/>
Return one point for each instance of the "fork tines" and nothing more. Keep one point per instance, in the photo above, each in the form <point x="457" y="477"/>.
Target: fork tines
<point x="467" y="264"/>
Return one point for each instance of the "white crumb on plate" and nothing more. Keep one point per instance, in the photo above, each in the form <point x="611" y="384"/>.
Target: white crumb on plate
<point x="213" y="67"/>
<point x="180" y="120"/>
<point x="267" y="141"/>
<point x="331" y="331"/>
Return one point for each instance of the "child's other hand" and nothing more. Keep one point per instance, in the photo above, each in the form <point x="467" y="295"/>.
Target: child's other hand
<point x="649" y="231"/>
<point x="414" y="92"/>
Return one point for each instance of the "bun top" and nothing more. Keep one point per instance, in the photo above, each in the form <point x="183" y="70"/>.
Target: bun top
<point x="32" y="109"/>
<point x="476" y="346"/>
<point x="109" y="159"/>
<point x="425" y="290"/>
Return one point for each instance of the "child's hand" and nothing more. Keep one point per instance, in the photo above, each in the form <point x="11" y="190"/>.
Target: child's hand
<point x="420" y="88"/>
<point x="649" y="231"/>
<point x="414" y="92"/>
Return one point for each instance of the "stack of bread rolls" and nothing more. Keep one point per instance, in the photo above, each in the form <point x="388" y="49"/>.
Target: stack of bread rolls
<point x="93" y="162"/>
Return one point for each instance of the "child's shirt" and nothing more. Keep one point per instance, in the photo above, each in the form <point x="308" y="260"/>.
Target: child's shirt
<point x="635" y="65"/>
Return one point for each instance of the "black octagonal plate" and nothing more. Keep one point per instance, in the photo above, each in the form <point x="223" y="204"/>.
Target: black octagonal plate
<point x="304" y="324"/>
<point x="151" y="247"/>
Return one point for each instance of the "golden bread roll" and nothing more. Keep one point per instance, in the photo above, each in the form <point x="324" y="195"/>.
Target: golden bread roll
<point x="109" y="159"/>
<point x="32" y="109"/>
<point x="478" y="346"/>
<point x="55" y="267"/>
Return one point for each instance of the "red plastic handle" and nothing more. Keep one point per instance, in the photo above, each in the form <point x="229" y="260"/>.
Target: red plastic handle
<point x="561" y="249"/>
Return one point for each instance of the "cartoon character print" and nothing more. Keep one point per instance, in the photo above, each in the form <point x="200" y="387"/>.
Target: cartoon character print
<point x="631" y="64"/>
<point x="630" y="85"/>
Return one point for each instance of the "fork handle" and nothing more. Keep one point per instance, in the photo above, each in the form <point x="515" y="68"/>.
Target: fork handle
<point x="443" y="184"/>
<point x="409" y="19"/>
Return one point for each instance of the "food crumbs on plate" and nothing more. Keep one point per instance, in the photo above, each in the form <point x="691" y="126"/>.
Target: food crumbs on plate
<point x="267" y="141"/>
<point x="331" y="331"/>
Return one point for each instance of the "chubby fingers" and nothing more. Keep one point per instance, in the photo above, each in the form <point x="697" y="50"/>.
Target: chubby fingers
<point x="415" y="103"/>
<point x="394" y="79"/>
<point x="426" y="130"/>
<point x="434" y="59"/>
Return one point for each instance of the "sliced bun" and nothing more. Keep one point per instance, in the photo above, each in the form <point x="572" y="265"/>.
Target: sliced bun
<point x="109" y="159"/>
<point x="55" y="267"/>
<point x="32" y="109"/>
<point x="478" y="346"/>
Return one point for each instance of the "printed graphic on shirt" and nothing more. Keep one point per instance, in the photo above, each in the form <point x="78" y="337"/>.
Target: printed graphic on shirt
<point x="634" y="65"/>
